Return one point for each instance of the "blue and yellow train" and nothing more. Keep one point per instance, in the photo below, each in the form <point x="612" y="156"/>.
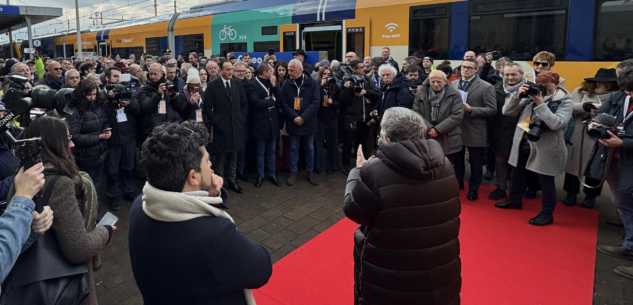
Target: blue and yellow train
<point x="584" y="34"/>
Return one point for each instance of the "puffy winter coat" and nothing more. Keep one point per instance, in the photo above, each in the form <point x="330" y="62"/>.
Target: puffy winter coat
<point x="406" y="248"/>
<point x="89" y="150"/>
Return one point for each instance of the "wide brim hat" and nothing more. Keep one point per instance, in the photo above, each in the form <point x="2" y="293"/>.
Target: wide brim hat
<point x="301" y="52"/>
<point x="604" y="76"/>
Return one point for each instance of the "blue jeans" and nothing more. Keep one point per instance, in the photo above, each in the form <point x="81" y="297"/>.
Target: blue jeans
<point x="308" y="147"/>
<point x="268" y="147"/>
<point x="519" y="182"/>
<point x="15" y="232"/>
<point x="623" y="202"/>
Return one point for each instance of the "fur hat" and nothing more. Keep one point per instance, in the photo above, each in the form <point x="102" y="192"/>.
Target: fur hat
<point x="193" y="76"/>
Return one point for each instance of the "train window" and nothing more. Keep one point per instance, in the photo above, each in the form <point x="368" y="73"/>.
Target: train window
<point x="518" y="28"/>
<point x="137" y="51"/>
<point x="122" y="52"/>
<point x="614" y="39"/>
<point x="356" y="41"/>
<point x="226" y="48"/>
<point x="429" y="30"/>
<point x="290" y="41"/>
<point x="263" y="46"/>
<point x="269" y="30"/>
<point x="193" y="43"/>
<point x="152" y="45"/>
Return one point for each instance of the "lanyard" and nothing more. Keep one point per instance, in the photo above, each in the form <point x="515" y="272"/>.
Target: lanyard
<point x="298" y="89"/>
<point x="626" y="108"/>
<point x="267" y="91"/>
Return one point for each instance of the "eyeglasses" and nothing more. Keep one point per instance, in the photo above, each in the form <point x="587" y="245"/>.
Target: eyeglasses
<point x="542" y="64"/>
<point x="70" y="137"/>
<point x="467" y="68"/>
<point x="360" y="67"/>
<point x="57" y="69"/>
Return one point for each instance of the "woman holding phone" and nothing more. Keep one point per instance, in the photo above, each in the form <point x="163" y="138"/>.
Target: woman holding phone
<point x="90" y="129"/>
<point x="190" y="99"/>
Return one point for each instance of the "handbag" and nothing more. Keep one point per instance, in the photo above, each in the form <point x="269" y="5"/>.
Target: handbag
<point x="42" y="275"/>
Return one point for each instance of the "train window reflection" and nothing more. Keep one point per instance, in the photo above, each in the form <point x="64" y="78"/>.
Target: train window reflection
<point x="614" y="39"/>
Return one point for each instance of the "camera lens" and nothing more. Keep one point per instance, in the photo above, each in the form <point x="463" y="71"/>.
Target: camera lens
<point x="43" y="98"/>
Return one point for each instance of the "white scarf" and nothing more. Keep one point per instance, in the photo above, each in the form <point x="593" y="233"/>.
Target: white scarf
<point x="177" y="207"/>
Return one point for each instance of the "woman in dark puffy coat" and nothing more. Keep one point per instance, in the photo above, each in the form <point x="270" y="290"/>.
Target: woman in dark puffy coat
<point x="89" y="129"/>
<point x="406" y="247"/>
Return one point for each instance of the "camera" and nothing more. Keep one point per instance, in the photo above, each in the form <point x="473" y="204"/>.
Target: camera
<point x="496" y="55"/>
<point x="607" y="123"/>
<point x="537" y="126"/>
<point x="122" y="91"/>
<point x="375" y="117"/>
<point x="534" y="90"/>
<point x="170" y="86"/>
<point x="356" y="80"/>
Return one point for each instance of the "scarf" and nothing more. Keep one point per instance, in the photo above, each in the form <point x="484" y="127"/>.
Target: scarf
<point x="435" y="99"/>
<point x="157" y="84"/>
<point x="177" y="207"/>
<point x="513" y="88"/>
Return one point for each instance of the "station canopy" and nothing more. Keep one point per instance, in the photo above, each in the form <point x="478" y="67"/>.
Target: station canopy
<point x="14" y="16"/>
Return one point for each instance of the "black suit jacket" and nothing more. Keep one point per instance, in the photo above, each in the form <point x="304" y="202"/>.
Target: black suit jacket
<point x="226" y="111"/>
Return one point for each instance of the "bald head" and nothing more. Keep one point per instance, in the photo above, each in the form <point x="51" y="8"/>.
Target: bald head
<point x="438" y="73"/>
<point x="295" y="69"/>
<point x="136" y="70"/>
<point x="437" y="80"/>
<point x="470" y="54"/>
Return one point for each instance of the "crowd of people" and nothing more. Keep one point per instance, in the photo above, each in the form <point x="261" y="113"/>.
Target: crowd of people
<point x="195" y="126"/>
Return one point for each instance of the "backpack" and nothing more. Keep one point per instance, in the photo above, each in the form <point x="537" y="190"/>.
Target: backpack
<point x="553" y="106"/>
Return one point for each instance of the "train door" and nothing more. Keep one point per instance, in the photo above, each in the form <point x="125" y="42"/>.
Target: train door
<point x="357" y="36"/>
<point x="323" y="37"/>
<point x="104" y="49"/>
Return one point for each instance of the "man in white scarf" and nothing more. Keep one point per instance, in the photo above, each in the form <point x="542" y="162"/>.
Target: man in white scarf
<point x="184" y="247"/>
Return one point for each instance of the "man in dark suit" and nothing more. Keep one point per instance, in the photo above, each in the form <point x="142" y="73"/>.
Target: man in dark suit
<point x="225" y="107"/>
<point x="263" y="94"/>
<point x="480" y="103"/>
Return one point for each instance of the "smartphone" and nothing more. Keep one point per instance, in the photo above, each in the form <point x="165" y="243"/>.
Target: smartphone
<point x="107" y="129"/>
<point x="196" y="89"/>
<point x="271" y="51"/>
<point x="124" y="78"/>
<point x="108" y="220"/>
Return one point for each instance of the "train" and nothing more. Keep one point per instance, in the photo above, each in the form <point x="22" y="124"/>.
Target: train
<point x="585" y="35"/>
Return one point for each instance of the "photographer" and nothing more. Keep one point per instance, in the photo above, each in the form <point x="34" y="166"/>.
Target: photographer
<point x="359" y="95"/>
<point x="122" y="109"/>
<point x="619" y="175"/>
<point x="548" y="115"/>
<point x="327" y="120"/>
<point x="90" y="129"/>
<point x="157" y="100"/>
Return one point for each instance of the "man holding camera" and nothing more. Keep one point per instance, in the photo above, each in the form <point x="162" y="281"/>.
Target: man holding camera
<point x="619" y="175"/>
<point x="172" y="76"/>
<point x="121" y="107"/>
<point x="359" y="95"/>
<point x="158" y="102"/>
<point x="480" y="103"/>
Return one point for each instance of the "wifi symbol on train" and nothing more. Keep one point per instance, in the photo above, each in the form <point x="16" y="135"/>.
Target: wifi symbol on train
<point x="391" y="27"/>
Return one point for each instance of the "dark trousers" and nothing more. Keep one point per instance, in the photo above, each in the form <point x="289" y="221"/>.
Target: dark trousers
<point x="476" y="155"/>
<point x="96" y="174"/>
<point x="491" y="159"/>
<point x="353" y="138"/>
<point x="265" y="156"/>
<point x="519" y="181"/>
<point x="572" y="185"/>
<point x="533" y="182"/>
<point x="230" y="159"/>
<point x="328" y="133"/>
<point x="119" y="164"/>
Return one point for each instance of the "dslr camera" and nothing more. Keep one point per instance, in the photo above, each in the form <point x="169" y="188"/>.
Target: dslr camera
<point x="537" y="126"/>
<point x="170" y="86"/>
<point x="496" y="55"/>
<point x="534" y="90"/>
<point x="356" y="80"/>
<point x="607" y="123"/>
<point x="122" y="91"/>
<point x="375" y="118"/>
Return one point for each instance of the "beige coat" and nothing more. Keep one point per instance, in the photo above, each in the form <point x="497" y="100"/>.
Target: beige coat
<point x="548" y="156"/>
<point x="574" y="150"/>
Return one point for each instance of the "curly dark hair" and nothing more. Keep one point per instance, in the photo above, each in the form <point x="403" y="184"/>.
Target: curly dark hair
<point x="171" y="151"/>
<point x="78" y="98"/>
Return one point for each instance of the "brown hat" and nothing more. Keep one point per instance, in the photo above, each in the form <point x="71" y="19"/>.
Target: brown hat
<point x="121" y="65"/>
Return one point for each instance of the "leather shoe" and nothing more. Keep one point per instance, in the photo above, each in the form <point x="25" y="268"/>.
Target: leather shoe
<point x="292" y="179"/>
<point x="529" y="194"/>
<point x="236" y="188"/>
<point x="242" y="175"/>
<point x="497" y="194"/>
<point x="541" y="220"/>
<point x="312" y="179"/>
<point x="570" y="200"/>
<point x="472" y="195"/>
<point x="461" y="185"/>
<point x="489" y="175"/>
<point x="114" y="204"/>
<point x="259" y="181"/>
<point x="509" y="205"/>
<point x="626" y="272"/>
<point x="589" y="202"/>
<point x="619" y="251"/>
<point x="274" y="180"/>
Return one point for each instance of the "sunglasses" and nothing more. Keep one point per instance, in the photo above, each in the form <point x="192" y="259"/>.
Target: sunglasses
<point x="57" y="69"/>
<point x="542" y="64"/>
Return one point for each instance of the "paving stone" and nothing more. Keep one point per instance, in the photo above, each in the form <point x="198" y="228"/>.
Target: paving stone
<point x="281" y="253"/>
<point x="303" y="225"/>
<point x="276" y="225"/>
<point x="304" y="238"/>
<point x="252" y="224"/>
<point x="258" y="235"/>
<point x="275" y="212"/>
<point x="251" y="212"/>
<point x="299" y="212"/>
<point x="280" y="239"/>
<point x="326" y="224"/>
<point x="325" y="212"/>
<point x="273" y="201"/>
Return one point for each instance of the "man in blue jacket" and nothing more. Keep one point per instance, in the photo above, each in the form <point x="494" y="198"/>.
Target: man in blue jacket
<point x="300" y="104"/>
<point x="184" y="247"/>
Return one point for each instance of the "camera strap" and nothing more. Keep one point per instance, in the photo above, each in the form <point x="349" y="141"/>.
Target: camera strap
<point x="626" y="108"/>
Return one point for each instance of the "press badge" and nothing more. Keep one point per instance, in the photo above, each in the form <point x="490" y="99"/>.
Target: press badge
<point x="162" y="107"/>
<point x="121" y="116"/>
<point x="525" y="124"/>
<point x="198" y="115"/>
<point x="298" y="103"/>
<point x="325" y="101"/>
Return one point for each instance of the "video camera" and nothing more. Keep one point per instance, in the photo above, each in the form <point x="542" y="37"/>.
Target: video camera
<point x="122" y="91"/>
<point x="356" y="80"/>
<point x="607" y="123"/>
<point x="19" y="100"/>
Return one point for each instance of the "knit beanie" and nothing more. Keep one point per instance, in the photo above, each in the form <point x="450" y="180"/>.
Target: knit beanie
<point x="193" y="76"/>
<point x="429" y="58"/>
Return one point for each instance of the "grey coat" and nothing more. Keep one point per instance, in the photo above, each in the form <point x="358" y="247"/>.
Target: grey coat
<point x="450" y="116"/>
<point x="574" y="151"/>
<point x="548" y="156"/>
<point x="481" y="97"/>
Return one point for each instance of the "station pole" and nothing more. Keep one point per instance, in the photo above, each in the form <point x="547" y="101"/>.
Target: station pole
<point x="155" y="8"/>
<point x="10" y="36"/>
<point x="79" y="55"/>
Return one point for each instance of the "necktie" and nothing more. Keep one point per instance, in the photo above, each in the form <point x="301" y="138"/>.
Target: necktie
<point x="464" y="85"/>
<point x="228" y="88"/>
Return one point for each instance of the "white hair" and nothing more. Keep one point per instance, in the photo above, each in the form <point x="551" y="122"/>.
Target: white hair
<point x="15" y="67"/>
<point x="335" y="64"/>
<point x="401" y="124"/>
<point x="387" y="66"/>
<point x="185" y="67"/>
<point x="439" y="72"/>
<point x="296" y="62"/>
<point x="239" y="63"/>
<point x="70" y="71"/>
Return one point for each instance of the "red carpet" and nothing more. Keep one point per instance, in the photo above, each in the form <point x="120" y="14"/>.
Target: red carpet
<point x="504" y="259"/>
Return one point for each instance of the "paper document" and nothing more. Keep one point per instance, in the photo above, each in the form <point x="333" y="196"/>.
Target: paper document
<point x="464" y="95"/>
